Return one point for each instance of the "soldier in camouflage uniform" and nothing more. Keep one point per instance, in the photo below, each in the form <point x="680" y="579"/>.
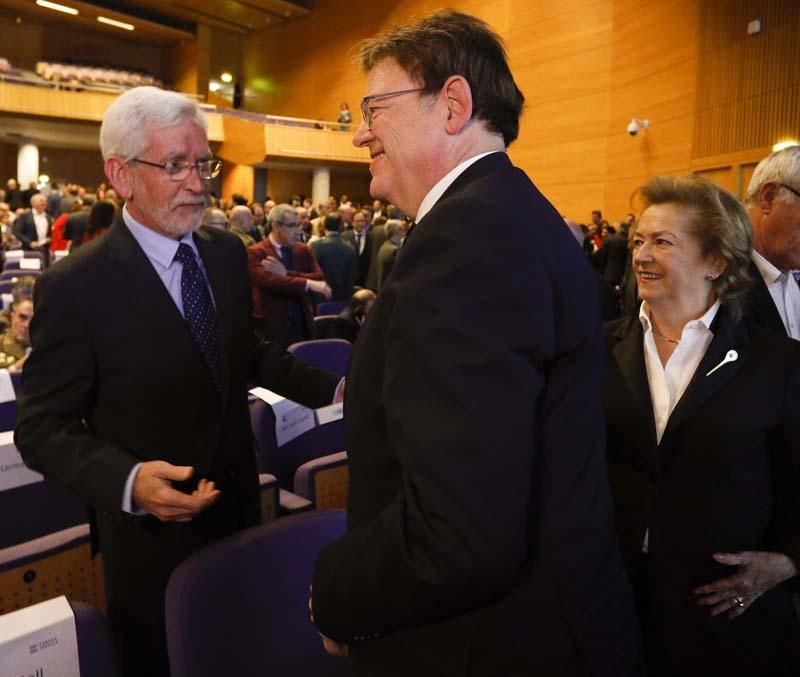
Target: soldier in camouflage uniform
<point x="15" y="342"/>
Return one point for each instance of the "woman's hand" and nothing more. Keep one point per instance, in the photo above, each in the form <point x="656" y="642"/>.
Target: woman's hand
<point x="757" y="572"/>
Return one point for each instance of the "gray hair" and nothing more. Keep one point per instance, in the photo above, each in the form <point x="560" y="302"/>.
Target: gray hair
<point x="782" y="166"/>
<point x="122" y="133"/>
<point x="241" y="216"/>
<point x="394" y="227"/>
<point x="278" y="213"/>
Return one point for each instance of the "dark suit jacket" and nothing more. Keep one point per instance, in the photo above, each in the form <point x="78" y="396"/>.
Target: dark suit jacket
<point x="723" y="479"/>
<point x="339" y="263"/>
<point x="364" y="258"/>
<point x="273" y="293"/>
<point x="385" y="261"/>
<point x="25" y="228"/>
<point x="759" y="308"/>
<point x="480" y="540"/>
<point x="611" y="258"/>
<point x="377" y="236"/>
<point x="115" y="378"/>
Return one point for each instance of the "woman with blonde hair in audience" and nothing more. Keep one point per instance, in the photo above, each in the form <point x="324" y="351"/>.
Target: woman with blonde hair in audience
<point x="703" y="425"/>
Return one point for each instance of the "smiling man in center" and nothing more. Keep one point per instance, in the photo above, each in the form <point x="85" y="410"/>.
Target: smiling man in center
<point x="480" y="538"/>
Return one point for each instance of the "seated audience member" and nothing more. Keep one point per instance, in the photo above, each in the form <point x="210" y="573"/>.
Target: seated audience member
<point x="101" y="216"/>
<point x="336" y="258"/>
<point x="704" y="445"/>
<point x="21" y="290"/>
<point x="606" y="296"/>
<point x="15" y="342"/>
<point x="241" y="224"/>
<point x="283" y="273"/>
<point x="10" y="240"/>
<point x="215" y="218"/>
<point x="773" y="205"/>
<point x="305" y="223"/>
<point x="34" y="226"/>
<point x="395" y="232"/>
<point x="348" y="323"/>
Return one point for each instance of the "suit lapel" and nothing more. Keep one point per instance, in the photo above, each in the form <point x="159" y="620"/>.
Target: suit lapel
<point x="728" y="336"/>
<point x="629" y="355"/>
<point x="216" y="270"/>
<point x="761" y="306"/>
<point x="148" y="294"/>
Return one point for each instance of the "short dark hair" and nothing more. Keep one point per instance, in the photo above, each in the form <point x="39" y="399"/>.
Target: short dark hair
<point x="238" y="199"/>
<point x="447" y="43"/>
<point x="333" y="221"/>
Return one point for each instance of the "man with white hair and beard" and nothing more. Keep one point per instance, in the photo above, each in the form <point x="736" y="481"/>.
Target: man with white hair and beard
<point x="138" y="402"/>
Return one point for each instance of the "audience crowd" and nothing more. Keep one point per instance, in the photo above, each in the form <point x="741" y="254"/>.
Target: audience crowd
<point x="699" y="264"/>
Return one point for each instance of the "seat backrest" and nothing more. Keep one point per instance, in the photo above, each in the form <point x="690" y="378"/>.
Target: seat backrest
<point x="331" y="307"/>
<point x="240" y="606"/>
<point x="330" y="354"/>
<point x="284" y="461"/>
<point x="96" y="653"/>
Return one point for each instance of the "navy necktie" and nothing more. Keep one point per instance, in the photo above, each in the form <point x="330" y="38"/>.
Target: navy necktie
<point x="199" y="313"/>
<point x="288" y="258"/>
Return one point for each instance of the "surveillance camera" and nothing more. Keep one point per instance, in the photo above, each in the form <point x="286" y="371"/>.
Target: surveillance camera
<point x="636" y="124"/>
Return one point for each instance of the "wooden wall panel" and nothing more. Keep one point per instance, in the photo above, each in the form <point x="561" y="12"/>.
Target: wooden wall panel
<point x="237" y="179"/>
<point x="82" y="166"/>
<point x="748" y="86"/>
<point x="283" y="183"/>
<point x="653" y="76"/>
<point x="25" y="43"/>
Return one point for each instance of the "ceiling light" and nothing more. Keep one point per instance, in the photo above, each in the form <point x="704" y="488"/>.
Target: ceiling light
<point x="214" y="86"/>
<point x="226" y="77"/>
<point x="57" y="7"/>
<point x="782" y="145"/>
<point x="115" y="23"/>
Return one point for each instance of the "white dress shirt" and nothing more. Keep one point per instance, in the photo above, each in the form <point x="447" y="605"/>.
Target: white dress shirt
<point x="41" y="225"/>
<point x="444" y="183"/>
<point x="784" y="291"/>
<point x="668" y="383"/>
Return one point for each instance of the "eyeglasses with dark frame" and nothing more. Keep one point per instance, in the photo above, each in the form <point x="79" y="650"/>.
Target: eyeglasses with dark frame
<point x="178" y="170"/>
<point x="790" y="189"/>
<point x="366" y="113"/>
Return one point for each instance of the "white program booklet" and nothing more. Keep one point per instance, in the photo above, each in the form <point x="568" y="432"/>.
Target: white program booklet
<point x="40" y="641"/>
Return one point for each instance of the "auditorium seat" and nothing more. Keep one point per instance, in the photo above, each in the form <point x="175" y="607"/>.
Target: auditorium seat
<point x="56" y="564"/>
<point x="240" y="606"/>
<point x="96" y="653"/>
<point x="330" y="354"/>
<point x="331" y="307"/>
<point x="284" y="461"/>
<point x="13" y="275"/>
<point x="324" y="481"/>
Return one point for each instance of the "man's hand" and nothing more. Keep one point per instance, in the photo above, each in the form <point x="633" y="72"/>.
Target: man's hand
<point x="153" y="492"/>
<point x="331" y="647"/>
<point x="758" y="572"/>
<point x="274" y="266"/>
<point x="320" y="287"/>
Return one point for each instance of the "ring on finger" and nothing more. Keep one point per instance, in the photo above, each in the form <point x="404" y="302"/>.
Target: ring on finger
<point x="738" y="601"/>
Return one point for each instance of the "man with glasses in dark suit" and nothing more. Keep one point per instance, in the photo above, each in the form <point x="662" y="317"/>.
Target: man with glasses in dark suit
<point x="137" y="401"/>
<point x="480" y="536"/>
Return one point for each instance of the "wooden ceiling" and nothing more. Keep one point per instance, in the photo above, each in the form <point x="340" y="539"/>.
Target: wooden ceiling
<point x="165" y="22"/>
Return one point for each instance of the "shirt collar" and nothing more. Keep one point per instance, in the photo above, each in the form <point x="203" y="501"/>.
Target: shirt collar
<point x="770" y="273"/>
<point x="158" y="247"/>
<point x="706" y="319"/>
<point x="445" y="182"/>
